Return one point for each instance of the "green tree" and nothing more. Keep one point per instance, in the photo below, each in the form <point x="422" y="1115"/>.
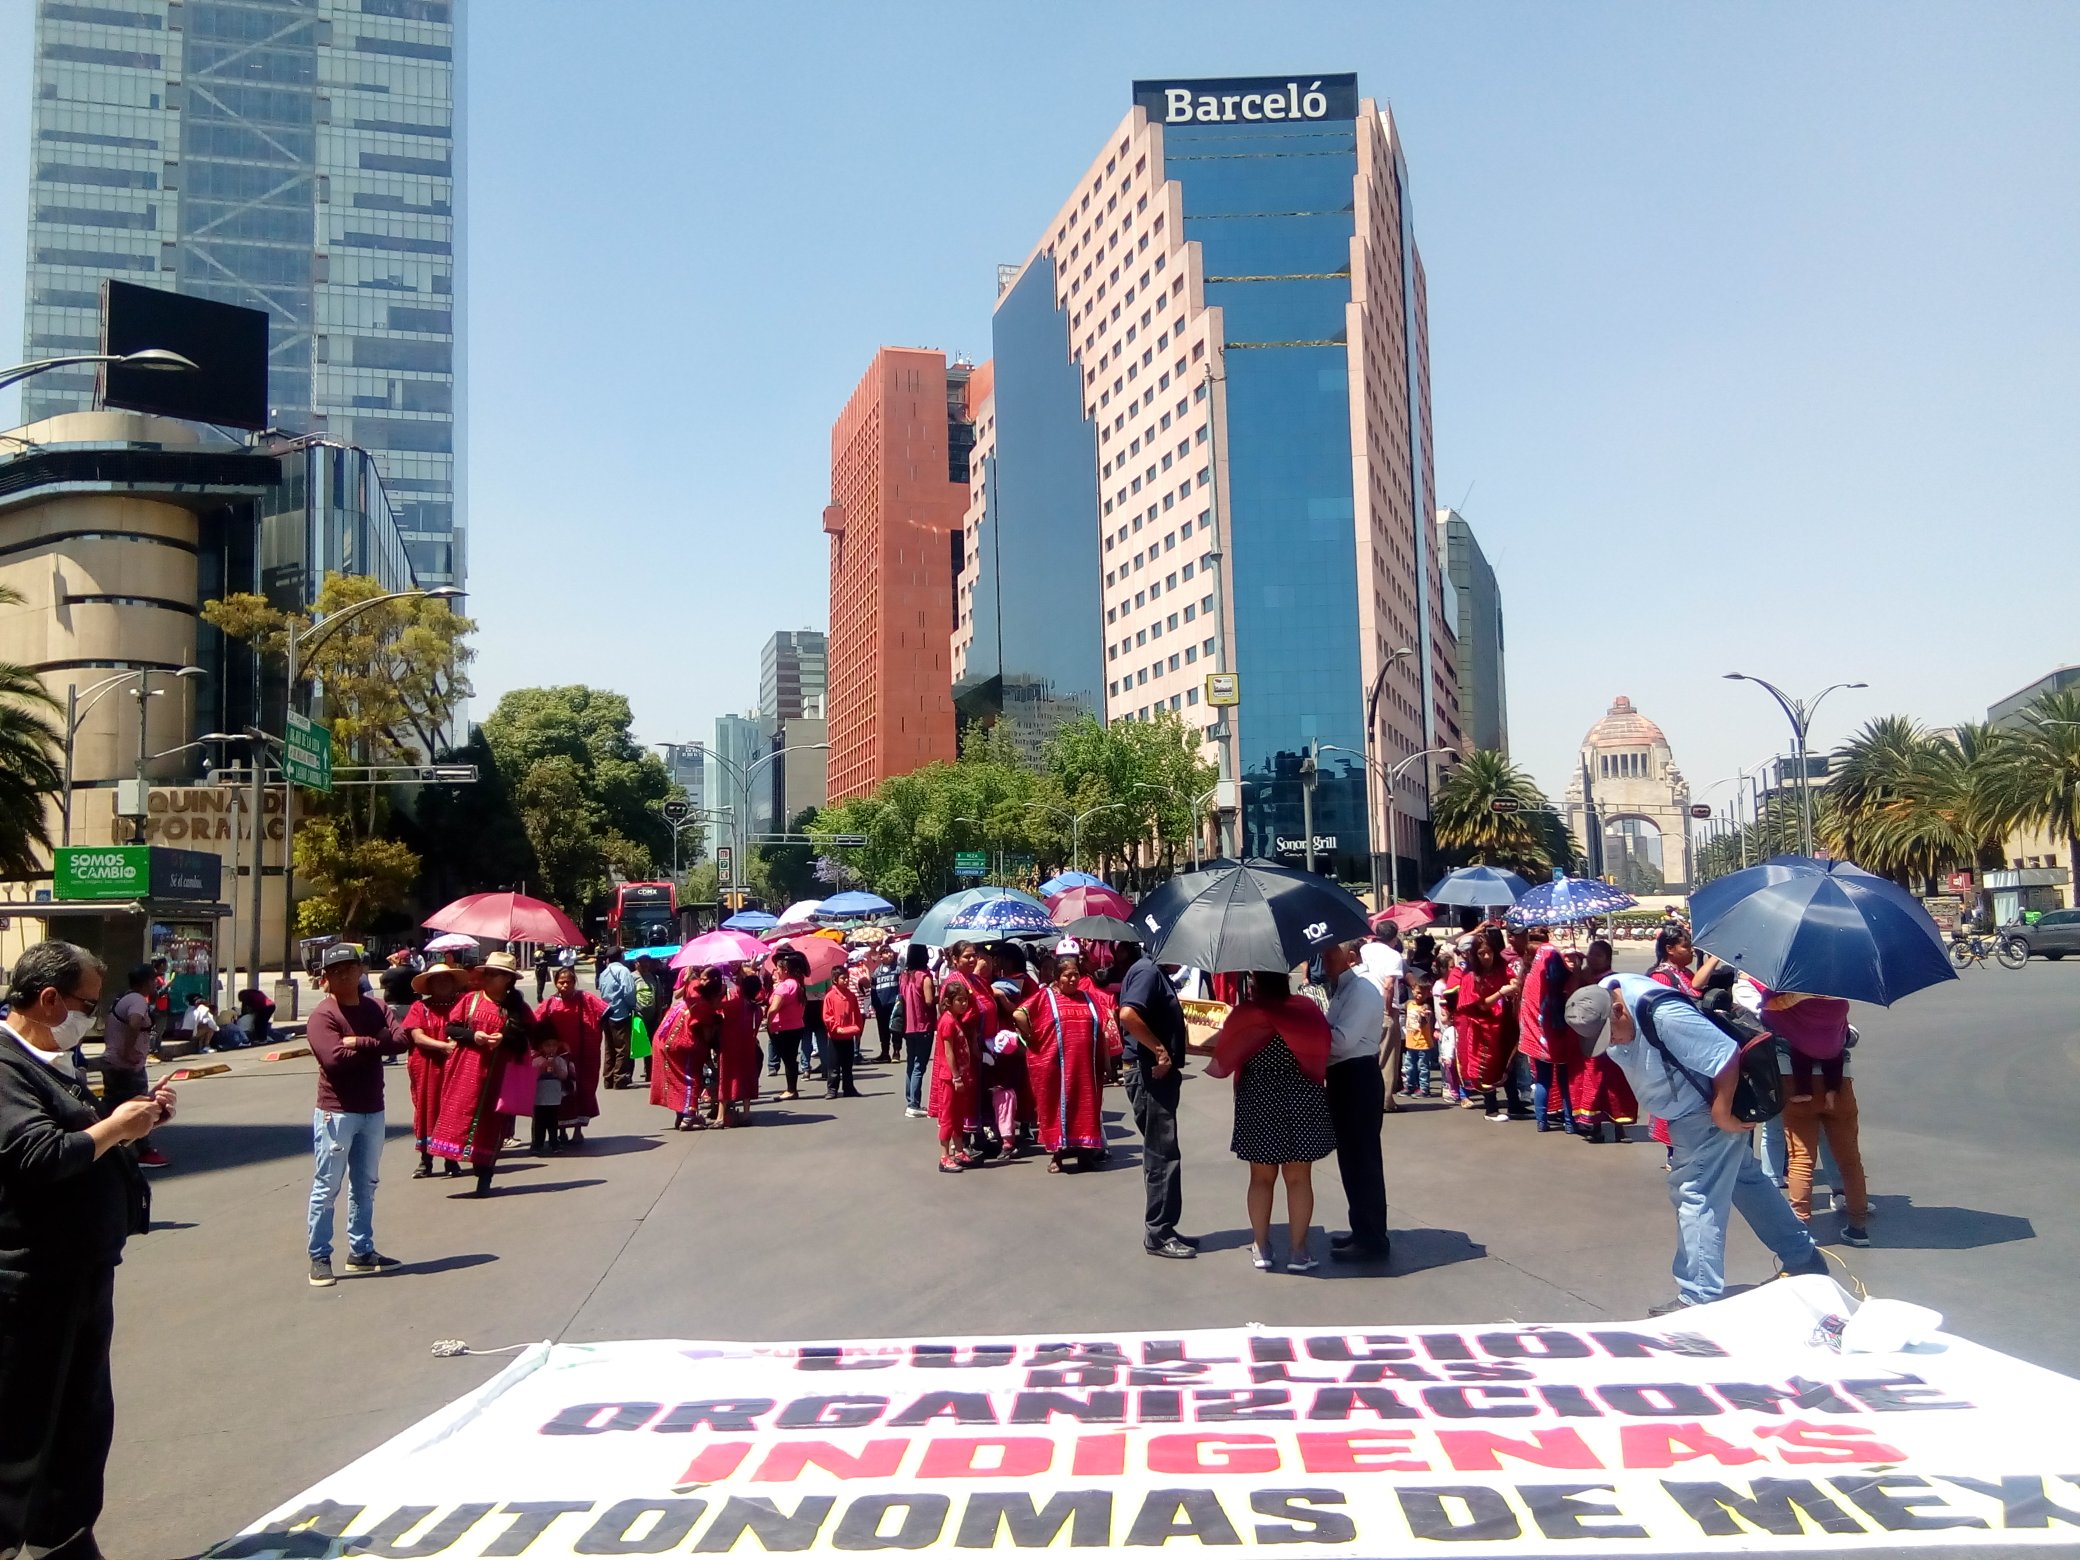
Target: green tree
<point x="586" y="793"/>
<point x="2038" y="775"/>
<point x="352" y="878"/>
<point x="31" y="762"/>
<point x="1519" y="834"/>
<point x="1134" y="783"/>
<point x="1913" y="804"/>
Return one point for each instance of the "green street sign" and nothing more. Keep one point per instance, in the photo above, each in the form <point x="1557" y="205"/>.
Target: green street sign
<point x="307" y="756"/>
<point x="1018" y="861"/>
<point x="102" y="871"/>
<point x="970" y="863"/>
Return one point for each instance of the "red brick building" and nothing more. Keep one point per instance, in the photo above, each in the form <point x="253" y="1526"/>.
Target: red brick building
<point x="899" y="487"/>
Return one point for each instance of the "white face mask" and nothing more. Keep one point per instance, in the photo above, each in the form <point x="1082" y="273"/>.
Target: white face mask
<point x="72" y="1030"/>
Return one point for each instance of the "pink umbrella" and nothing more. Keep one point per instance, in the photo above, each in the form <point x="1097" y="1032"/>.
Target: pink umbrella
<point x="1073" y="904"/>
<point x="1409" y="916"/>
<point x="507" y="918"/>
<point x="825" y="957"/>
<point x="724" y="947"/>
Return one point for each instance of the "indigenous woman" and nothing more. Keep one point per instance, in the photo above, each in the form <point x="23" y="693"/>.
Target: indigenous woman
<point x="466" y="1122"/>
<point x="1599" y="1089"/>
<point x="578" y="1018"/>
<point x="956" y="1061"/>
<point x="1064" y="1030"/>
<point x="736" y="1056"/>
<point x="1276" y="1047"/>
<point x="687" y="1036"/>
<point x="1480" y="1008"/>
<point x="426" y="1025"/>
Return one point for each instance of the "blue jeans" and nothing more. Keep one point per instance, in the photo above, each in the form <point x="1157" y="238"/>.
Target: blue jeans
<point x="917" y="1060"/>
<point x="1546" y="1077"/>
<point x="346" y="1146"/>
<point x="1415" y="1071"/>
<point x="1715" y="1172"/>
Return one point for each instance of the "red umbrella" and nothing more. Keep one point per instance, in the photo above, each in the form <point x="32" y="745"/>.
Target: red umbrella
<point x="825" y="957"/>
<point x="507" y="918"/>
<point x="1073" y="904"/>
<point x="1409" y="916"/>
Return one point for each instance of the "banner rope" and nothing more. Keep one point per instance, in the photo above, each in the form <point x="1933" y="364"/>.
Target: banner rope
<point x="449" y="1348"/>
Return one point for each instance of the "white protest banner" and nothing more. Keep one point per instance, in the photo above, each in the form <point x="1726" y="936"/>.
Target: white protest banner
<point x="1753" y="1424"/>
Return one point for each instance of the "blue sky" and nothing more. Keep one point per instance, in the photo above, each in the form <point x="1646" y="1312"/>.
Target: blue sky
<point x="1753" y="328"/>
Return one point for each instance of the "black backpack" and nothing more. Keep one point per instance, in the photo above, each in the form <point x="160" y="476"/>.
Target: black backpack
<point x="1758" y="1093"/>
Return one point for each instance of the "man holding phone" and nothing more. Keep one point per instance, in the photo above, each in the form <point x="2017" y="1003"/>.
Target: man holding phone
<point x="350" y="1033"/>
<point x="128" y="1039"/>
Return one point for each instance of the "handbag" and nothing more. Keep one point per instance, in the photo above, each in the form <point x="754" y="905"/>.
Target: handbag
<point x="516" y="1088"/>
<point x="638" y="1037"/>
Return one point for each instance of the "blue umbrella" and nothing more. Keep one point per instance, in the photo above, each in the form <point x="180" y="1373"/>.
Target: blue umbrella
<point x="750" y="921"/>
<point x="931" y="926"/>
<point x="854" y="902"/>
<point x="1478" y="887"/>
<point x="1064" y="881"/>
<point x="1566" y="900"/>
<point x="655" y="951"/>
<point x="1823" y="927"/>
<point x="1002" y="917"/>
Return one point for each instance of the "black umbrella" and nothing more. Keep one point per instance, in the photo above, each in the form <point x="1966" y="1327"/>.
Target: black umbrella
<point x="1100" y="928"/>
<point x="1256" y="916"/>
<point x="1161" y="907"/>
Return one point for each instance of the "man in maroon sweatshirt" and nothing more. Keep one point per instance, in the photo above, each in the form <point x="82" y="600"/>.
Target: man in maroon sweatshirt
<point x="350" y="1033"/>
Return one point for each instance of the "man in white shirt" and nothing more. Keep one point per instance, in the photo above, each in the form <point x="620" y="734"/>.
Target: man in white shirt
<point x="1357" y="1098"/>
<point x="1382" y="963"/>
<point x="199" y="1024"/>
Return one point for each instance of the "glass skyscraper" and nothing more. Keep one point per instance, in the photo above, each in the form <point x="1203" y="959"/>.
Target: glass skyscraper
<point x="296" y="156"/>
<point x="1231" y="316"/>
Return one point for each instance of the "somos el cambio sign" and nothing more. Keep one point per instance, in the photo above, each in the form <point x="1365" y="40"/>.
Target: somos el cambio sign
<point x="1234" y="100"/>
<point x="101" y="871"/>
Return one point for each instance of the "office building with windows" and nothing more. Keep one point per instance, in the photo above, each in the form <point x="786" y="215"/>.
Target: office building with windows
<point x="1473" y="602"/>
<point x="899" y="484"/>
<point x="297" y="156"/>
<point x="793" y="675"/>
<point x="1211" y="420"/>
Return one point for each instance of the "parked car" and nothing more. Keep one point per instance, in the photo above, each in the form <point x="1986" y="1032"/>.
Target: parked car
<point x="2056" y="934"/>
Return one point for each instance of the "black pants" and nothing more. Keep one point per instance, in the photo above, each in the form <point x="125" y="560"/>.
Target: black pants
<point x="787" y="1051"/>
<point x="548" y="1132"/>
<point x="839" y="1053"/>
<point x="57" y="1408"/>
<point x="891" y="1037"/>
<point x="1357" y="1096"/>
<point x="1162" y="1165"/>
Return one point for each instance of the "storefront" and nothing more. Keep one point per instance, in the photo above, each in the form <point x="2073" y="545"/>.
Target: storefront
<point x="131" y="904"/>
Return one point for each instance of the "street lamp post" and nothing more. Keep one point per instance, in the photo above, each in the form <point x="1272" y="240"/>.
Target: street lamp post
<point x="76" y="715"/>
<point x="1076" y="820"/>
<point x="1800" y="713"/>
<point x="1388" y="777"/>
<point x="154" y="358"/>
<point x="743" y="779"/>
<point x="298" y="642"/>
<point x="1379" y="686"/>
<point x="1197" y="805"/>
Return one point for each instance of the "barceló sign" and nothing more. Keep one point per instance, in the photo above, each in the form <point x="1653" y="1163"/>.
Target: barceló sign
<point x="1228" y="100"/>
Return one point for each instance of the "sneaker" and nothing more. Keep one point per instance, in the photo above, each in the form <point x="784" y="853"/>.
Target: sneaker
<point x="1351" y="1251"/>
<point x="913" y="1113"/>
<point x="1814" y="1266"/>
<point x="152" y="1159"/>
<point x="1303" y="1263"/>
<point x="321" y="1273"/>
<point x="1260" y="1258"/>
<point x="369" y="1262"/>
<point x="948" y="1165"/>
<point x="1498" y="1115"/>
<point x="1855" y="1235"/>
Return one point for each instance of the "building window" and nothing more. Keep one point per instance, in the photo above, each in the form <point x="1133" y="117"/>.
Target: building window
<point x="1190" y="613"/>
<point x="1191" y="696"/>
<point x="1191" y="654"/>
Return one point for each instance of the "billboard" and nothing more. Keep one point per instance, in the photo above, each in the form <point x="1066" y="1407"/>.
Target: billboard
<point x="227" y="345"/>
<point x="1230" y="100"/>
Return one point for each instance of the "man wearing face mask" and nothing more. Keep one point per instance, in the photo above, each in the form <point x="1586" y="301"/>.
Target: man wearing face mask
<point x="70" y="1194"/>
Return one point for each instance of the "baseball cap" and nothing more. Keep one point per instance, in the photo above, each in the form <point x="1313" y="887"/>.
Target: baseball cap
<point x="341" y="953"/>
<point x="1589" y="1016"/>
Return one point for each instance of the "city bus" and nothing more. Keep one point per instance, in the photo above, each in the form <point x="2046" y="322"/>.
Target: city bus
<point x="644" y="915"/>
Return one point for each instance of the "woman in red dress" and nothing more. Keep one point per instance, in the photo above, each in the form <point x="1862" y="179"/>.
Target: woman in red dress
<point x="956" y="1061"/>
<point x="1064" y="1030"/>
<point x="426" y="1026"/>
<point x="1480" y="1010"/>
<point x="467" y="1125"/>
<point x="737" y="1059"/>
<point x="687" y="1036"/>
<point x="1598" y="1089"/>
<point x="577" y="1017"/>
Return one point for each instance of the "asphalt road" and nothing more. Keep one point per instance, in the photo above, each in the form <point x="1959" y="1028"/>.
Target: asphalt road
<point x="238" y="1384"/>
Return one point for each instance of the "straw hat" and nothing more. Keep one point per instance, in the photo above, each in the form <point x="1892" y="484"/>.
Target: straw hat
<point x="499" y="964"/>
<point x="424" y="979"/>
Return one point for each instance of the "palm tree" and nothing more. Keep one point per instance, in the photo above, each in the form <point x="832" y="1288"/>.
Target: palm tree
<point x="1467" y="819"/>
<point x="1913" y="804"/>
<point x="2038" y="784"/>
<point x="31" y="770"/>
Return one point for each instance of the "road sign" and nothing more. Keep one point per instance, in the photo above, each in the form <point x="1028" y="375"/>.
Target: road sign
<point x="1503" y="804"/>
<point x="847" y="841"/>
<point x="307" y="754"/>
<point x="1223" y="689"/>
<point x="725" y="864"/>
<point x="970" y="863"/>
<point x="1018" y="861"/>
<point x="676" y="811"/>
<point x="1700" y="810"/>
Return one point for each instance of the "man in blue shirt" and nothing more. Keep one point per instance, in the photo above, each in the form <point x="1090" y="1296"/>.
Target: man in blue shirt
<point x="1688" y="1080"/>
<point x="1152" y="1023"/>
<point x="617" y="988"/>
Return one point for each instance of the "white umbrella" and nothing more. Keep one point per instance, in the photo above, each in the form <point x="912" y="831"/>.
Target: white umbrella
<point x="452" y="942"/>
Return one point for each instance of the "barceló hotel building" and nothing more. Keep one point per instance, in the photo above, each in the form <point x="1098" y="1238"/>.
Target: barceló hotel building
<point x="1211" y="398"/>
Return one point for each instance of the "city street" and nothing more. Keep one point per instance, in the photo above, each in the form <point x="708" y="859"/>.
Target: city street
<point x="238" y="1384"/>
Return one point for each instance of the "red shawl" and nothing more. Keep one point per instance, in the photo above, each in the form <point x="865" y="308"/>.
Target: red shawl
<point x="1254" y="1025"/>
